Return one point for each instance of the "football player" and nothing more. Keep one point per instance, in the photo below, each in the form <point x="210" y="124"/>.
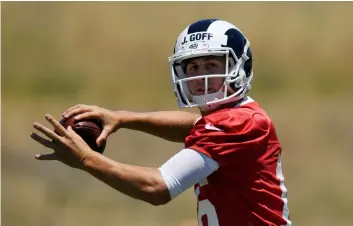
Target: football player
<point x="232" y="155"/>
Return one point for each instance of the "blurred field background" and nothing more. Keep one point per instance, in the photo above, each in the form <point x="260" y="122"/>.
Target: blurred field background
<point x="58" y="54"/>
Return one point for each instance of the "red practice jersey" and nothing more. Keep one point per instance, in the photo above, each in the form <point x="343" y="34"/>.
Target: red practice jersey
<point x="248" y="188"/>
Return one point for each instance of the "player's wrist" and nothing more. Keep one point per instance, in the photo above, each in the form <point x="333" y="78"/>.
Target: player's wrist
<point x="124" y="119"/>
<point x="88" y="160"/>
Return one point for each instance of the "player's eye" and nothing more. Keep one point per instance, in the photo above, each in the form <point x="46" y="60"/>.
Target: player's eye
<point x="192" y="68"/>
<point x="211" y="65"/>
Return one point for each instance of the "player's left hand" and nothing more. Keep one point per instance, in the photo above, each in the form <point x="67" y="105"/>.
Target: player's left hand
<point x="69" y="148"/>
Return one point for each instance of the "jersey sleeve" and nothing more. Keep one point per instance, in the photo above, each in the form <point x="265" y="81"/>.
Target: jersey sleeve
<point x="179" y="174"/>
<point x="230" y="136"/>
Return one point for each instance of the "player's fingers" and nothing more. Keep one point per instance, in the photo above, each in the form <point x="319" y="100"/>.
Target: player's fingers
<point x="76" y="106"/>
<point x="71" y="131"/>
<point x="102" y="137"/>
<point x="57" y="126"/>
<point x="47" y="132"/>
<point x="70" y="109"/>
<point x="42" y="141"/>
<point x="88" y="115"/>
<point x="51" y="156"/>
<point x="77" y="110"/>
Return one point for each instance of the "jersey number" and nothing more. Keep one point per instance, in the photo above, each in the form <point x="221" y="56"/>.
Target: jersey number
<point x="206" y="208"/>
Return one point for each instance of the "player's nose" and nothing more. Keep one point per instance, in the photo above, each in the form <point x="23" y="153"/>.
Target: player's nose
<point x="202" y="71"/>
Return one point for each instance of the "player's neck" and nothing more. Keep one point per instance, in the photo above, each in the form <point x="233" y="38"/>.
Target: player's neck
<point x="223" y="106"/>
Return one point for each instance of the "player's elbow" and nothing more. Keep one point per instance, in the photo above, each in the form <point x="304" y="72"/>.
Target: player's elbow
<point x="157" y="195"/>
<point x="159" y="201"/>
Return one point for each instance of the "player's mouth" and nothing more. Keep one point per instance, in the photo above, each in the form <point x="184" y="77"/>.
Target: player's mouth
<point x="201" y="91"/>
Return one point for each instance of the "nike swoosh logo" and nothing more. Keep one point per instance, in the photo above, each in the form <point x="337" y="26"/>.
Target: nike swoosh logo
<point x="209" y="126"/>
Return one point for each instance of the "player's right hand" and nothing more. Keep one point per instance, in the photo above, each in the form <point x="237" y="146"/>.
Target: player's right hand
<point x="109" y="118"/>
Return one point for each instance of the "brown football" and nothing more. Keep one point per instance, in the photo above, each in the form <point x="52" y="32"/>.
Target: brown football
<point x="89" y="130"/>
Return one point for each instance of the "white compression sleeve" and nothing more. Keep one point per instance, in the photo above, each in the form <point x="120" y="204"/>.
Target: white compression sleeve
<point x="185" y="169"/>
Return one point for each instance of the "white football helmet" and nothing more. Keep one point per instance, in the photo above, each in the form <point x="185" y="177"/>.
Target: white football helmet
<point x="218" y="38"/>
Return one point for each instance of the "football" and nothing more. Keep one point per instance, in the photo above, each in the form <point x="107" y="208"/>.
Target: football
<point x="89" y="130"/>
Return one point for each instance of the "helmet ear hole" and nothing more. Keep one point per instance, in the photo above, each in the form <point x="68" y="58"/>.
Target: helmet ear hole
<point x="247" y="68"/>
<point x="248" y="63"/>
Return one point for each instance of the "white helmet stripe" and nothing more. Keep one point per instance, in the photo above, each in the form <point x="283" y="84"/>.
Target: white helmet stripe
<point x="220" y="27"/>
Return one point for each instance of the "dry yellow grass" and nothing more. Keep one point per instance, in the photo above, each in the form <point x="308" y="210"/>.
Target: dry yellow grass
<point x="55" y="55"/>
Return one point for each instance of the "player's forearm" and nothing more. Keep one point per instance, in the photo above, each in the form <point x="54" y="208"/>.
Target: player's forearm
<point x="170" y="125"/>
<point x="137" y="182"/>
